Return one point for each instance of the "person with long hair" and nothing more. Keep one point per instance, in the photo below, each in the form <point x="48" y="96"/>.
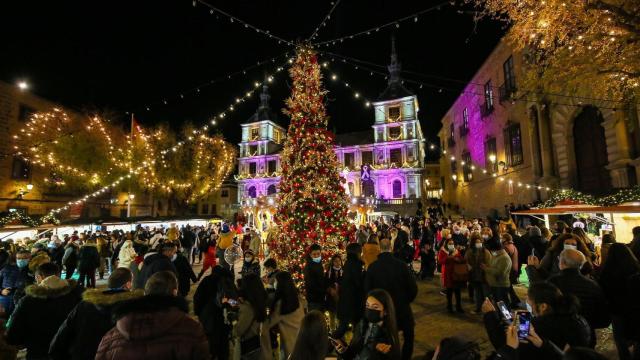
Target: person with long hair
<point x="252" y="311"/>
<point x="313" y="339"/>
<point x="376" y="335"/>
<point x="539" y="270"/>
<point x="620" y="281"/>
<point x="555" y="323"/>
<point x="285" y="313"/>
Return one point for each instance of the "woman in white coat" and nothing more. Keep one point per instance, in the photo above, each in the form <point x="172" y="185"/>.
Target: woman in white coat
<point x="127" y="254"/>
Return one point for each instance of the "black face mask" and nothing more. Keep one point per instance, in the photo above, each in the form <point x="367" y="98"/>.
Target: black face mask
<point x="373" y="316"/>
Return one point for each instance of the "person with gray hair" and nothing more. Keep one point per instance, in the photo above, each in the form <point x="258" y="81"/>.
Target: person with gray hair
<point x="570" y="281"/>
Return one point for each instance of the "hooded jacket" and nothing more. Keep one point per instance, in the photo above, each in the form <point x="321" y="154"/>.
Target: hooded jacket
<point x="40" y="313"/>
<point x="154" y="327"/>
<point x="79" y="335"/>
<point x="153" y="263"/>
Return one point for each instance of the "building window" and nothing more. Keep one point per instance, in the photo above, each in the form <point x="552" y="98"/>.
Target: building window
<point x="351" y="188"/>
<point x="454" y="167"/>
<point x="272" y="166"/>
<point x="252" y="193"/>
<point x="490" y="155"/>
<point x="277" y="137"/>
<point x="255" y="134"/>
<point x="252" y="168"/>
<point x="367" y="157"/>
<point x="348" y="160"/>
<point x="20" y="169"/>
<point x="466" y="168"/>
<point x="395" y="132"/>
<point x="465" y="119"/>
<point x="393" y="113"/>
<point x="488" y="98"/>
<point x="395" y="156"/>
<point x="396" y="189"/>
<point x="513" y="145"/>
<point x="205" y="209"/>
<point x="25" y="112"/>
<point x="271" y="189"/>
<point x="253" y="150"/>
<point x="224" y="193"/>
<point x="509" y="75"/>
<point x="213" y="209"/>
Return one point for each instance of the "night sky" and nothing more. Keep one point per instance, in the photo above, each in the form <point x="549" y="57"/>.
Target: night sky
<point x="122" y="56"/>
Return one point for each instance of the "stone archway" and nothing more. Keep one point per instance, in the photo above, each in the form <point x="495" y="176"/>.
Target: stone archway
<point x="590" y="147"/>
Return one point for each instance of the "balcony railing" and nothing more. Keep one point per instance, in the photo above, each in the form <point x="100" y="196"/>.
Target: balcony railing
<point x="464" y="131"/>
<point x="506" y="92"/>
<point x="486" y="109"/>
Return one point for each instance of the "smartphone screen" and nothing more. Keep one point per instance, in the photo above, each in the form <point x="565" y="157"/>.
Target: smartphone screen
<point x="504" y="310"/>
<point x="233" y="302"/>
<point x="524" y="322"/>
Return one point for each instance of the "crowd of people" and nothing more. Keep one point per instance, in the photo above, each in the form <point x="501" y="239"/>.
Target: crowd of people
<point x="351" y="305"/>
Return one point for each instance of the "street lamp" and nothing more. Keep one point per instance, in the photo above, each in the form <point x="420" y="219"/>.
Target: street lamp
<point x="29" y="187"/>
<point x="22" y="192"/>
<point x="23" y="85"/>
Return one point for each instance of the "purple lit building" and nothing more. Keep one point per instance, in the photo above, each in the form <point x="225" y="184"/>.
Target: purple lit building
<point x="383" y="166"/>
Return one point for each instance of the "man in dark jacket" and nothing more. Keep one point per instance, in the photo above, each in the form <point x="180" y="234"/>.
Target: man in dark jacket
<point x="88" y="262"/>
<point x="79" y="335"/>
<point x="394" y="276"/>
<point x="187" y="241"/>
<point x="155" y="326"/>
<point x="314" y="280"/>
<point x="634" y="245"/>
<point x="185" y="274"/>
<point x="155" y="262"/>
<point x="593" y="306"/>
<point x="523" y="246"/>
<point x="14" y="278"/>
<point x="41" y="312"/>
<point x="351" y="291"/>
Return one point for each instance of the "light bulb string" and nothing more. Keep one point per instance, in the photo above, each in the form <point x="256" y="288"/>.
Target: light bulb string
<point x="213" y="9"/>
<point x="396" y="23"/>
<point x="324" y="20"/>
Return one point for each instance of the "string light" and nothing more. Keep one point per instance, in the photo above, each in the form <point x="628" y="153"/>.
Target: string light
<point x="324" y="20"/>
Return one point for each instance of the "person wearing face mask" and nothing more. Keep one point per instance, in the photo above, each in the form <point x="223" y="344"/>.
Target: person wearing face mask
<point x="476" y="257"/>
<point x="539" y="270"/>
<point x="555" y="324"/>
<point x="449" y="257"/>
<point x="314" y="280"/>
<point x="156" y="261"/>
<point x="376" y="336"/>
<point x="184" y="273"/>
<point x="497" y="271"/>
<point x="250" y="265"/>
<point x="14" y="276"/>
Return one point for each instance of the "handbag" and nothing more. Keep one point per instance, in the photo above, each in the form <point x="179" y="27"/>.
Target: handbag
<point x="460" y="272"/>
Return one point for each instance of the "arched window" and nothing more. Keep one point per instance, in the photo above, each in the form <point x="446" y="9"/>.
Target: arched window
<point x="396" y="187"/>
<point x="271" y="189"/>
<point x="252" y="192"/>
<point x="351" y="187"/>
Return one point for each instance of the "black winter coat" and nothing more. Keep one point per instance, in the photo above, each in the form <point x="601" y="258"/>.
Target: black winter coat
<point x="185" y="275"/>
<point x="88" y="257"/>
<point x="40" y="313"/>
<point x="361" y="348"/>
<point x="79" y="335"/>
<point x="152" y="264"/>
<point x="314" y="282"/>
<point x="351" y="291"/>
<point x="56" y="255"/>
<point x="593" y="305"/>
<point x="394" y="276"/>
<point x="560" y="329"/>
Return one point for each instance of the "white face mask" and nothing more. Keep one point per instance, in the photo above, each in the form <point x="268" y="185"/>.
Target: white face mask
<point x="485" y="237"/>
<point x="451" y="247"/>
<point x="572" y="247"/>
<point x="478" y="246"/>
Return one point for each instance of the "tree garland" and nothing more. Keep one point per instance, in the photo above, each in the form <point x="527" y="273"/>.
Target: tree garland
<point x="18" y="217"/>
<point x="622" y="196"/>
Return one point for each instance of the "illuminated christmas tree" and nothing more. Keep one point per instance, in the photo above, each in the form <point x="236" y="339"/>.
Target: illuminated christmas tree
<point x="312" y="204"/>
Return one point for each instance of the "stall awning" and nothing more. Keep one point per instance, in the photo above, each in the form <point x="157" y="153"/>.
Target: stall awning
<point x="580" y="209"/>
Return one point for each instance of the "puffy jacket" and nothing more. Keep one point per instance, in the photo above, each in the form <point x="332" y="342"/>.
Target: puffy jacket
<point x="154" y="327"/>
<point x="498" y="269"/>
<point x="88" y="257"/>
<point x="40" y="313"/>
<point x="79" y="335"/>
<point x="127" y="254"/>
<point x="153" y="263"/>
<point x="314" y="282"/>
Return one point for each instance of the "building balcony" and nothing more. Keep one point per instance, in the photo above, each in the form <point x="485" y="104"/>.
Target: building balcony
<point x="451" y="142"/>
<point x="486" y="109"/>
<point x="464" y="131"/>
<point x="507" y="92"/>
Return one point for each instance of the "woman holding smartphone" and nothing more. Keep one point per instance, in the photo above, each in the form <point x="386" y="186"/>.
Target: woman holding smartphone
<point x="376" y="336"/>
